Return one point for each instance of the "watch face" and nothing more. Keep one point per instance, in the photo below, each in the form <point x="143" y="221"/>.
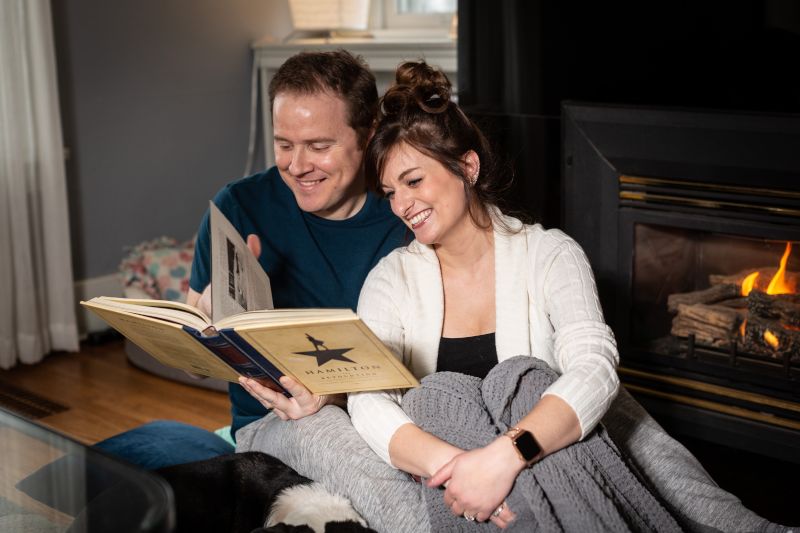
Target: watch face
<point x="527" y="446"/>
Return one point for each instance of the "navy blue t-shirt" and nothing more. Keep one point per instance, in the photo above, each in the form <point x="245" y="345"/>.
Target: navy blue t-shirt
<point x="311" y="261"/>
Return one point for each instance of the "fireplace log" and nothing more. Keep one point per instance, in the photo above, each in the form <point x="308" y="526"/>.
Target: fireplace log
<point x="712" y="325"/>
<point x="707" y="296"/>
<point x="734" y="303"/>
<point x="703" y="333"/>
<point x="782" y="307"/>
<point x="714" y="315"/>
<point x="764" y="277"/>
<point x="754" y="338"/>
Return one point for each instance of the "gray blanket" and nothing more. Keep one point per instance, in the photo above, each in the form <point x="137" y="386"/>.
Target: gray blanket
<point x="585" y="487"/>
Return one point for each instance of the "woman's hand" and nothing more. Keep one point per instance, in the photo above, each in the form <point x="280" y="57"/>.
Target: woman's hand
<point x="478" y="481"/>
<point x="302" y="403"/>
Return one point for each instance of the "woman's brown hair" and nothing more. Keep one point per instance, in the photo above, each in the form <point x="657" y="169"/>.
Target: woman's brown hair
<point x="418" y="111"/>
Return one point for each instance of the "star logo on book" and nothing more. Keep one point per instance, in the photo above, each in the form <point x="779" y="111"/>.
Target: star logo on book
<point x="324" y="354"/>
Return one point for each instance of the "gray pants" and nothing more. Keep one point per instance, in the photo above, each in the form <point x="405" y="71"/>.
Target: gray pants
<point x="327" y="448"/>
<point x="676" y="475"/>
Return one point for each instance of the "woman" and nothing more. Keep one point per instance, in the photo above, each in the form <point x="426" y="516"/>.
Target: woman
<point x="455" y="300"/>
<point x="475" y="289"/>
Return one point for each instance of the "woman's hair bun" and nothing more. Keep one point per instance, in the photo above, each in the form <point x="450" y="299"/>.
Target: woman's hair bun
<point x="420" y="85"/>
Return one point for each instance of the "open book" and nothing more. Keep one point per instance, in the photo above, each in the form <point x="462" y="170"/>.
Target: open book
<point x="328" y="350"/>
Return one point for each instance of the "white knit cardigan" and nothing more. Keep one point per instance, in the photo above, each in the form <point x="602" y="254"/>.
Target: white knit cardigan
<point x="546" y="305"/>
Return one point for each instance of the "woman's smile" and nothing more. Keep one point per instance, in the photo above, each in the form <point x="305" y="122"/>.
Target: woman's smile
<point x="420" y="218"/>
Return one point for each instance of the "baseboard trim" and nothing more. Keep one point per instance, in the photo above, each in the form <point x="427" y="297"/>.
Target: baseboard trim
<point x="85" y="289"/>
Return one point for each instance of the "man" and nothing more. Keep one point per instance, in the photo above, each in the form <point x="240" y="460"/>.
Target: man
<point x="320" y="231"/>
<point x="311" y="221"/>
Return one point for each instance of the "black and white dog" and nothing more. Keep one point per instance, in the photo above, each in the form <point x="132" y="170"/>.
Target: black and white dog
<point x="253" y="492"/>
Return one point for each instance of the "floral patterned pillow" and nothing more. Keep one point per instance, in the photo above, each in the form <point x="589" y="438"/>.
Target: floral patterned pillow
<point x="160" y="268"/>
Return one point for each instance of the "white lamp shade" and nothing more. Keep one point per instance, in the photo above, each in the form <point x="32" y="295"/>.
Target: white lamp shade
<point x="329" y="14"/>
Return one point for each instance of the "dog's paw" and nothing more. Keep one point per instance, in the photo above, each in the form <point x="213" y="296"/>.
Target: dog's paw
<point x="313" y="506"/>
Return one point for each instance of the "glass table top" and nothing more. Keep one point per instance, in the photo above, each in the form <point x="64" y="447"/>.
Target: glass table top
<point x="51" y="483"/>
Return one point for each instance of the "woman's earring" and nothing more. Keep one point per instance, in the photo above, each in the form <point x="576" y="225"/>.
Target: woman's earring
<point x="474" y="178"/>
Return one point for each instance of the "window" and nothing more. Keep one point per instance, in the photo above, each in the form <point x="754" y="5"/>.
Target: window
<point x="418" y="14"/>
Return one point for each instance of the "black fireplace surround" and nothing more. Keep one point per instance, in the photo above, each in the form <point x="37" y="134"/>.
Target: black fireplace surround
<point x="662" y="200"/>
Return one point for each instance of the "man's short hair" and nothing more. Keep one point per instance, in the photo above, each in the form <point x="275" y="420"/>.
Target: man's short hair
<point x="339" y="73"/>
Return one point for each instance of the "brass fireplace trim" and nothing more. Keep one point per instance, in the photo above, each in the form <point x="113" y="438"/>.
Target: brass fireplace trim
<point x="718" y="407"/>
<point x="700" y="386"/>
<point x="704" y="203"/>
<point x="734" y="189"/>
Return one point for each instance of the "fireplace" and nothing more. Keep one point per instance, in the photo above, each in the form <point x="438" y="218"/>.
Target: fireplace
<point x="691" y="220"/>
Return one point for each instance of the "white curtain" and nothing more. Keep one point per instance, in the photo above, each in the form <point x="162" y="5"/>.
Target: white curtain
<point x="37" y="305"/>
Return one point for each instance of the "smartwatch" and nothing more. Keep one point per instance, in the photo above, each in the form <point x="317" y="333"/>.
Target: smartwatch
<point x="527" y="447"/>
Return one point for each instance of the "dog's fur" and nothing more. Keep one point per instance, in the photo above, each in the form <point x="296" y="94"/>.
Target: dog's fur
<point x="236" y="493"/>
<point x="292" y="508"/>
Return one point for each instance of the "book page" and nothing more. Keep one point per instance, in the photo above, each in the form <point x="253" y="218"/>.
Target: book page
<point x="285" y="316"/>
<point x="238" y="283"/>
<point x="170" y="311"/>
<point x="162" y="304"/>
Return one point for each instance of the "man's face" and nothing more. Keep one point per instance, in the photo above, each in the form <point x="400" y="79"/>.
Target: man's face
<point x="317" y="154"/>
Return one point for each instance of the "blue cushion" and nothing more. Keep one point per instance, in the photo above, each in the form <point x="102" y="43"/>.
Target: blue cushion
<point x="165" y="443"/>
<point x="151" y="446"/>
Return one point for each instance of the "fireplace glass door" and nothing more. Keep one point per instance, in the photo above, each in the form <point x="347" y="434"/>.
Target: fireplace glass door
<point x="703" y="299"/>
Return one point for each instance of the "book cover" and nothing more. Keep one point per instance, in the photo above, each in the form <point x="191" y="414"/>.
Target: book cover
<point x="329" y="358"/>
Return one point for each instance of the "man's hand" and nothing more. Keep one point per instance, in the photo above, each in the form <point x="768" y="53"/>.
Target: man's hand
<point x="204" y="303"/>
<point x="301" y="404"/>
<point x="254" y="244"/>
<point x="478" y="482"/>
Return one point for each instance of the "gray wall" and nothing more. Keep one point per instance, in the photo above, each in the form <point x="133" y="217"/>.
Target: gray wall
<point x="155" y="98"/>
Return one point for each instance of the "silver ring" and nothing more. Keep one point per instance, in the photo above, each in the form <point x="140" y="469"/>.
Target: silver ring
<point x="469" y="517"/>
<point x="499" y="510"/>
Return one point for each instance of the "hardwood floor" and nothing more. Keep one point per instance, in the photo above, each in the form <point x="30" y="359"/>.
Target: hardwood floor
<point x="106" y="395"/>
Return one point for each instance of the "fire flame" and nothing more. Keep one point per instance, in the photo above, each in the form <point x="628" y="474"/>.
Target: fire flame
<point x="749" y="282"/>
<point x="778" y="284"/>
<point x="771" y="339"/>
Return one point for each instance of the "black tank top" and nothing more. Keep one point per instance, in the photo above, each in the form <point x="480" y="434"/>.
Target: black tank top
<point x="474" y="356"/>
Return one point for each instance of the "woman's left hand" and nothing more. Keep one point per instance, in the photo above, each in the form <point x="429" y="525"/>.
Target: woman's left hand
<point x="302" y="403"/>
<point x="478" y="481"/>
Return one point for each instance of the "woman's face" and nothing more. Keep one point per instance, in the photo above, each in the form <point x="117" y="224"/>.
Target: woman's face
<point x="426" y="196"/>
